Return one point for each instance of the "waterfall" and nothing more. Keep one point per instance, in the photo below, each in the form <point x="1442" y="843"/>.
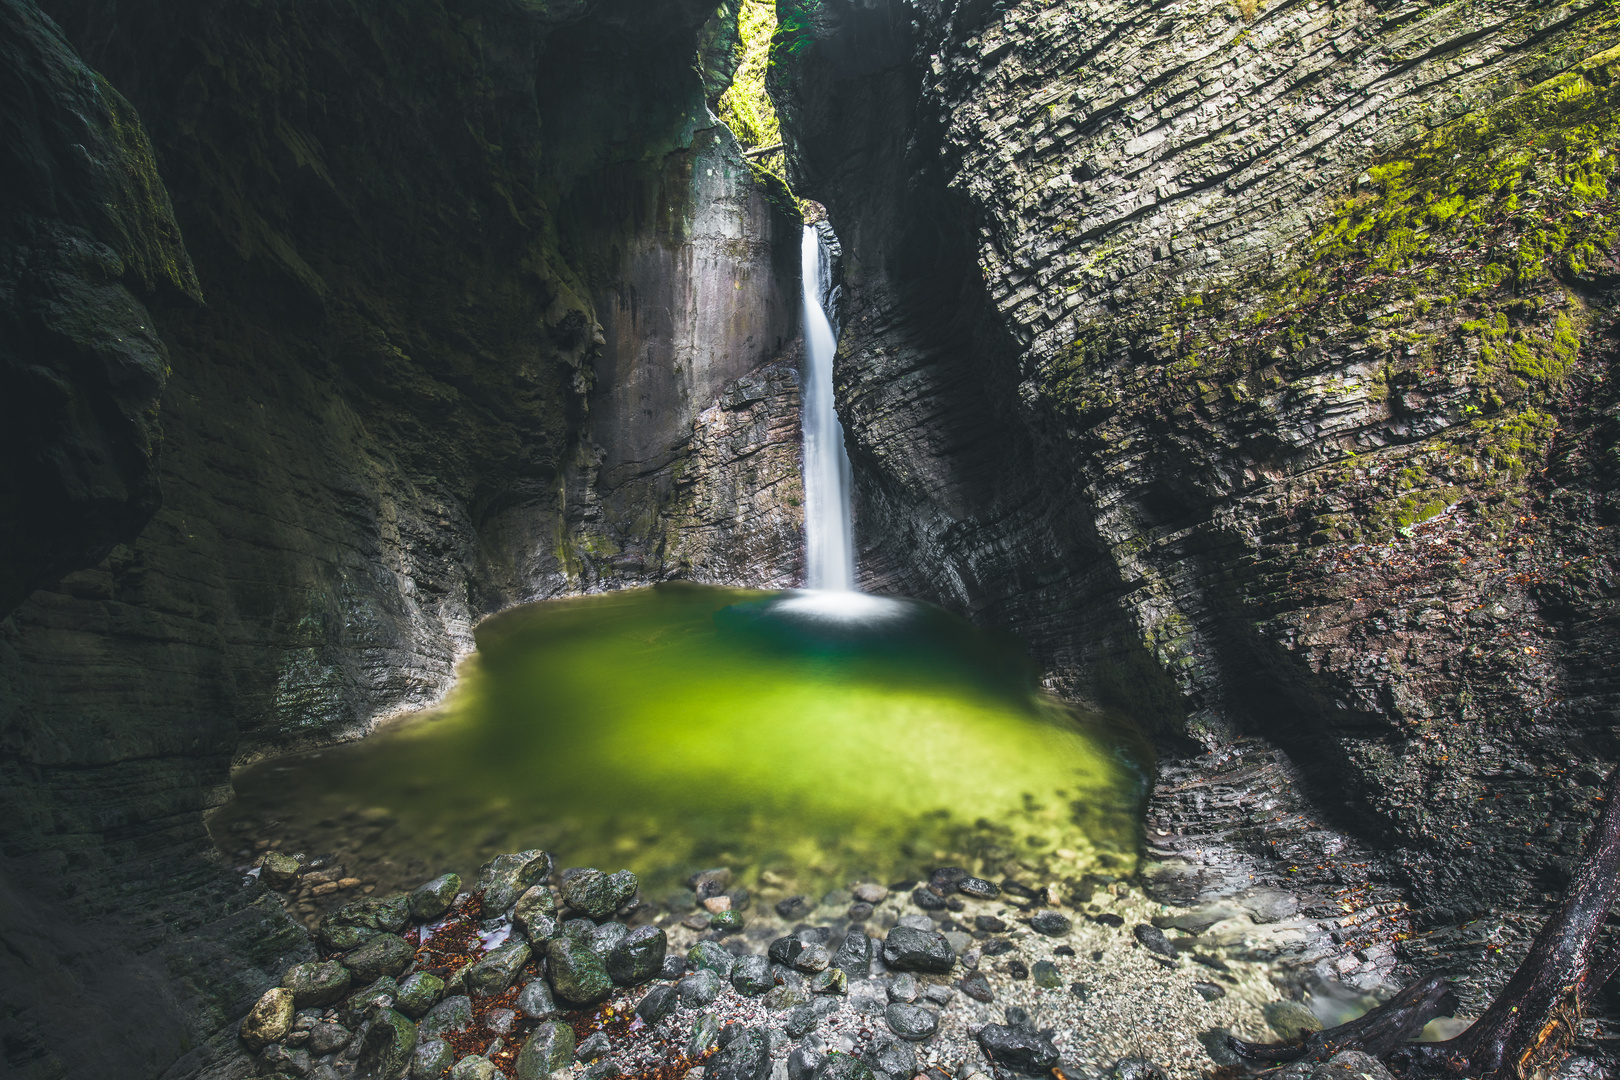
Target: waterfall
<point x="829" y="537"/>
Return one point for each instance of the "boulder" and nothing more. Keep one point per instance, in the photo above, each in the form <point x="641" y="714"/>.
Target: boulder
<point x="270" y="1018"/>
<point x="577" y="974"/>
<point x="389" y="1043"/>
<point x="418" y="994"/>
<point x="385" y="954"/>
<point x="450" y="1015"/>
<point x="746" y="1055"/>
<point x="316" y="985"/>
<point x="911" y="1022"/>
<point x="838" y="1065"/>
<point x="707" y="955"/>
<point x="387" y="914"/>
<point x="506" y="877"/>
<point x="638" y="956"/>
<point x="535" y="914"/>
<point x="433" y="898"/>
<point x="498" y="969"/>
<point x="549" y="1047"/>
<point x="597" y="895"/>
<point x="658" y="1003"/>
<point x="431" y="1059"/>
<point x="1018" y="1047"/>
<point x="535" y="1001"/>
<point x="751" y="976"/>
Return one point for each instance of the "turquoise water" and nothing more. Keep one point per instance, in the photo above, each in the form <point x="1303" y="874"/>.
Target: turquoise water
<point x="822" y="736"/>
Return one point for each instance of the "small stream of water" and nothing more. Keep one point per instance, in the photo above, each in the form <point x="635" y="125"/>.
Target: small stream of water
<point x="829" y="535"/>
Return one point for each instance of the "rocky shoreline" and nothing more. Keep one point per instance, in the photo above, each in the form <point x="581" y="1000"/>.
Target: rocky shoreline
<point x="534" y="971"/>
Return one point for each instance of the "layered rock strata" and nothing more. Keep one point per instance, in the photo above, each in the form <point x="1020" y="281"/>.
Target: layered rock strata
<point x="1253" y="361"/>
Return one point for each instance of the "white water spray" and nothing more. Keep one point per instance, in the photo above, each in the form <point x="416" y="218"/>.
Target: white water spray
<point x="829" y="537"/>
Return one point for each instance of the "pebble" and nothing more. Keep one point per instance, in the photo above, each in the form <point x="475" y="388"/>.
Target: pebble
<point x="1018" y="1047"/>
<point x="904" y="988"/>
<point x="500" y="1021"/>
<point x="745" y="1054"/>
<point x="1017" y="969"/>
<point x="978" y="888"/>
<point x="977" y="987"/>
<point x="913" y="1022"/>
<point x="859" y="912"/>
<point x="726" y="922"/>
<point x="831" y="981"/>
<point x="927" y="899"/>
<point x="1047" y="975"/>
<point x="751" y="976"/>
<point x="699" y="988"/>
<point x="854" y="956"/>
<point x="659" y="1002"/>
<point x="1153" y="939"/>
<point x="990" y="924"/>
<point x="703" y="1035"/>
<point x="1209" y="991"/>
<point x="1051" y="923"/>
<point x="838" y="1065"/>
<point x="278" y="1060"/>
<point x="710" y="882"/>
<point x="938" y="993"/>
<point x="869" y="893"/>
<point x="714" y="905"/>
<point x="910" y="949"/>
<point x="535" y="1000"/>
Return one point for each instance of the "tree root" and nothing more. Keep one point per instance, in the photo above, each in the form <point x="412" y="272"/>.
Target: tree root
<point x="1531" y="1023"/>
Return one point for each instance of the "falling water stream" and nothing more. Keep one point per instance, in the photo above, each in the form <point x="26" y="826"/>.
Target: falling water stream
<point x="829" y="536"/>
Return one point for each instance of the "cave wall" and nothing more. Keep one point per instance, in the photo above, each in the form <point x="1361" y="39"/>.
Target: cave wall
<point x="447" y="255"/>
<point x="1252" y="361"/>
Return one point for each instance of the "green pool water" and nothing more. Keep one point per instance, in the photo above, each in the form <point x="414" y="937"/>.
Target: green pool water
<point x="821" y="737"/>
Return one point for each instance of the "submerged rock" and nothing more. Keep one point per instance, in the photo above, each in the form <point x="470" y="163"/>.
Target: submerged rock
<point x="1153" y="939"/>
<point x="1050" y="923"/>
<point x="977" y="987"/>
<point x="1291" y="1020"/>
<point x="1018" y="1047"/>
<point x="278" y="871"/>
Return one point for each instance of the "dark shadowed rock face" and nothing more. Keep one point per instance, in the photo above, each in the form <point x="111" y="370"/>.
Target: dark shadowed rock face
<point x="1135" y="363"/>
<point x="439" y="308"/>
<point x="86" y="234"/>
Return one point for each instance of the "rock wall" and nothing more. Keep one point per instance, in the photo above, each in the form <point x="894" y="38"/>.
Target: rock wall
<point x="1253" y="362"/>
<point x="448" y="256"/>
